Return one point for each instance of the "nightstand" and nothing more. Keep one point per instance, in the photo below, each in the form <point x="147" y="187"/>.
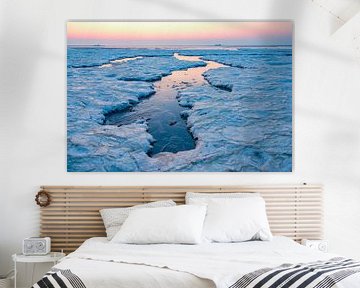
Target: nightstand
<point x="320" y="245"/>
<point x="52" y="257"/>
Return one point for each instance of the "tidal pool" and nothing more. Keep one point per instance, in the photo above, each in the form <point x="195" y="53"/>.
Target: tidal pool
<point x="162" y="110"/>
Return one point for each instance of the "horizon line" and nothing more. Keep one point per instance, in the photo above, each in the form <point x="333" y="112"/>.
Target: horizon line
<point x="177" y="45"/>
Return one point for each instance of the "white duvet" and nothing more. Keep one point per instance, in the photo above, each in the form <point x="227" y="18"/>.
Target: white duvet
<point x="100" y="263"/>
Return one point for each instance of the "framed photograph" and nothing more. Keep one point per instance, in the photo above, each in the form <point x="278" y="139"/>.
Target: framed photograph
<point x="179" y="96"/>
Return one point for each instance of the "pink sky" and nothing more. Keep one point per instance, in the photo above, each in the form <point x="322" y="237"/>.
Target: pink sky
<point x="176" y="33"/>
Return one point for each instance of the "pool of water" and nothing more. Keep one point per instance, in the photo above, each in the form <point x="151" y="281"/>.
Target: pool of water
<point x="162" y="110"/>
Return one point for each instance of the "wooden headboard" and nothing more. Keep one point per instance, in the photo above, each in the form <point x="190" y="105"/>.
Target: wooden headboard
<point x="73" y="215"/>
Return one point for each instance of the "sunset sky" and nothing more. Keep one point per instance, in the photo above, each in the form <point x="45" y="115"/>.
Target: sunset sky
<point x="179" y="33"/>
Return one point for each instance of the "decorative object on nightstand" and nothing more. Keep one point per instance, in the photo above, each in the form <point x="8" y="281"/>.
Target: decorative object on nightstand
<point x="320" y="245"/>
<point x="52" y="257"/>
<point x="36" y="246"/>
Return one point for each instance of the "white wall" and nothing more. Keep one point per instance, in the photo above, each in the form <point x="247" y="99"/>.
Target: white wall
<point x="33" y="108"/>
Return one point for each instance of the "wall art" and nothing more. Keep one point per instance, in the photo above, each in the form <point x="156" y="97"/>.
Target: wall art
<point x="179" y="96"/>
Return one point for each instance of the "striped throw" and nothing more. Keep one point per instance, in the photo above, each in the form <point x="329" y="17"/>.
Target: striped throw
<point x="320" y="274"/>
<point x="58" y="278"/>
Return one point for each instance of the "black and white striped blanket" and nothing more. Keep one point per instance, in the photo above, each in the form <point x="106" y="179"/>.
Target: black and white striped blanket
<point x="57" y="278"/>
<point x="320" y="274"/>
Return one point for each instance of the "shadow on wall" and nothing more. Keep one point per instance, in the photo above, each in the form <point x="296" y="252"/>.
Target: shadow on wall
<point x="22" y="39"/>
<point x="23" y="35"/>
<point x="183" y="7"/>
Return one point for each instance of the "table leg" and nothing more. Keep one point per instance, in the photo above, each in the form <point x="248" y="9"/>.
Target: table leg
<point x="26" y="272"/>
<point x="32" y="274"/>
<point x="15" y="273"/>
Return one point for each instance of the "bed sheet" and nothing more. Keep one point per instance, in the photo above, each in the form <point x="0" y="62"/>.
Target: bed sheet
<point x="100" y="263"/>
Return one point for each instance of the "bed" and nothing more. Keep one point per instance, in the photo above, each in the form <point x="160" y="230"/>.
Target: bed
<point x="295" y="211"/>
<point x="99" y="263"/>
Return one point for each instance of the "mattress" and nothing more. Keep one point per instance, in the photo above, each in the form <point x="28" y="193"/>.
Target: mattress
<point x="99" y="263"/>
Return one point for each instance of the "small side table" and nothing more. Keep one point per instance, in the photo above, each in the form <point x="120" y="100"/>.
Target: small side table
<point x="53" y="257"/>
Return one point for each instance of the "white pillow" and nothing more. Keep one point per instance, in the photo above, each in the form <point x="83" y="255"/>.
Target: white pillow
<point x="173" y="225"/>
<point x="113" y="218"/>
<point x="204" y="198"/>
<point x="236" y="220"/>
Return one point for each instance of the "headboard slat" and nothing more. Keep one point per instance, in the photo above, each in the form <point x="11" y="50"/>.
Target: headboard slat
<point x="73" y="216"/>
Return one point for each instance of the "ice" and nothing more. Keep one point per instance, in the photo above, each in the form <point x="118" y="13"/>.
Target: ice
<point x="96" y="147"/>
<point x="94" y="92"/>
<point x="232" y="139"/>
<point x="241" y="118"/>
<point x="246" y="129"/>
<point x="218" y="80"/>
<point x="149" y="68"/>
<point x="108" y="148"/>
<point x="247" y="57"/>
<point x="90" y="57"/>
<point x="91" y="95"/>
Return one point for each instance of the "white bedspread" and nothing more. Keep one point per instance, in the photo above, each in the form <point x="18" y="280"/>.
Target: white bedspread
<point x="102" y="264"/>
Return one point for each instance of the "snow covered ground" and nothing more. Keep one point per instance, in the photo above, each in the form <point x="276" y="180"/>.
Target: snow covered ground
<point x="241" y="117"/>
